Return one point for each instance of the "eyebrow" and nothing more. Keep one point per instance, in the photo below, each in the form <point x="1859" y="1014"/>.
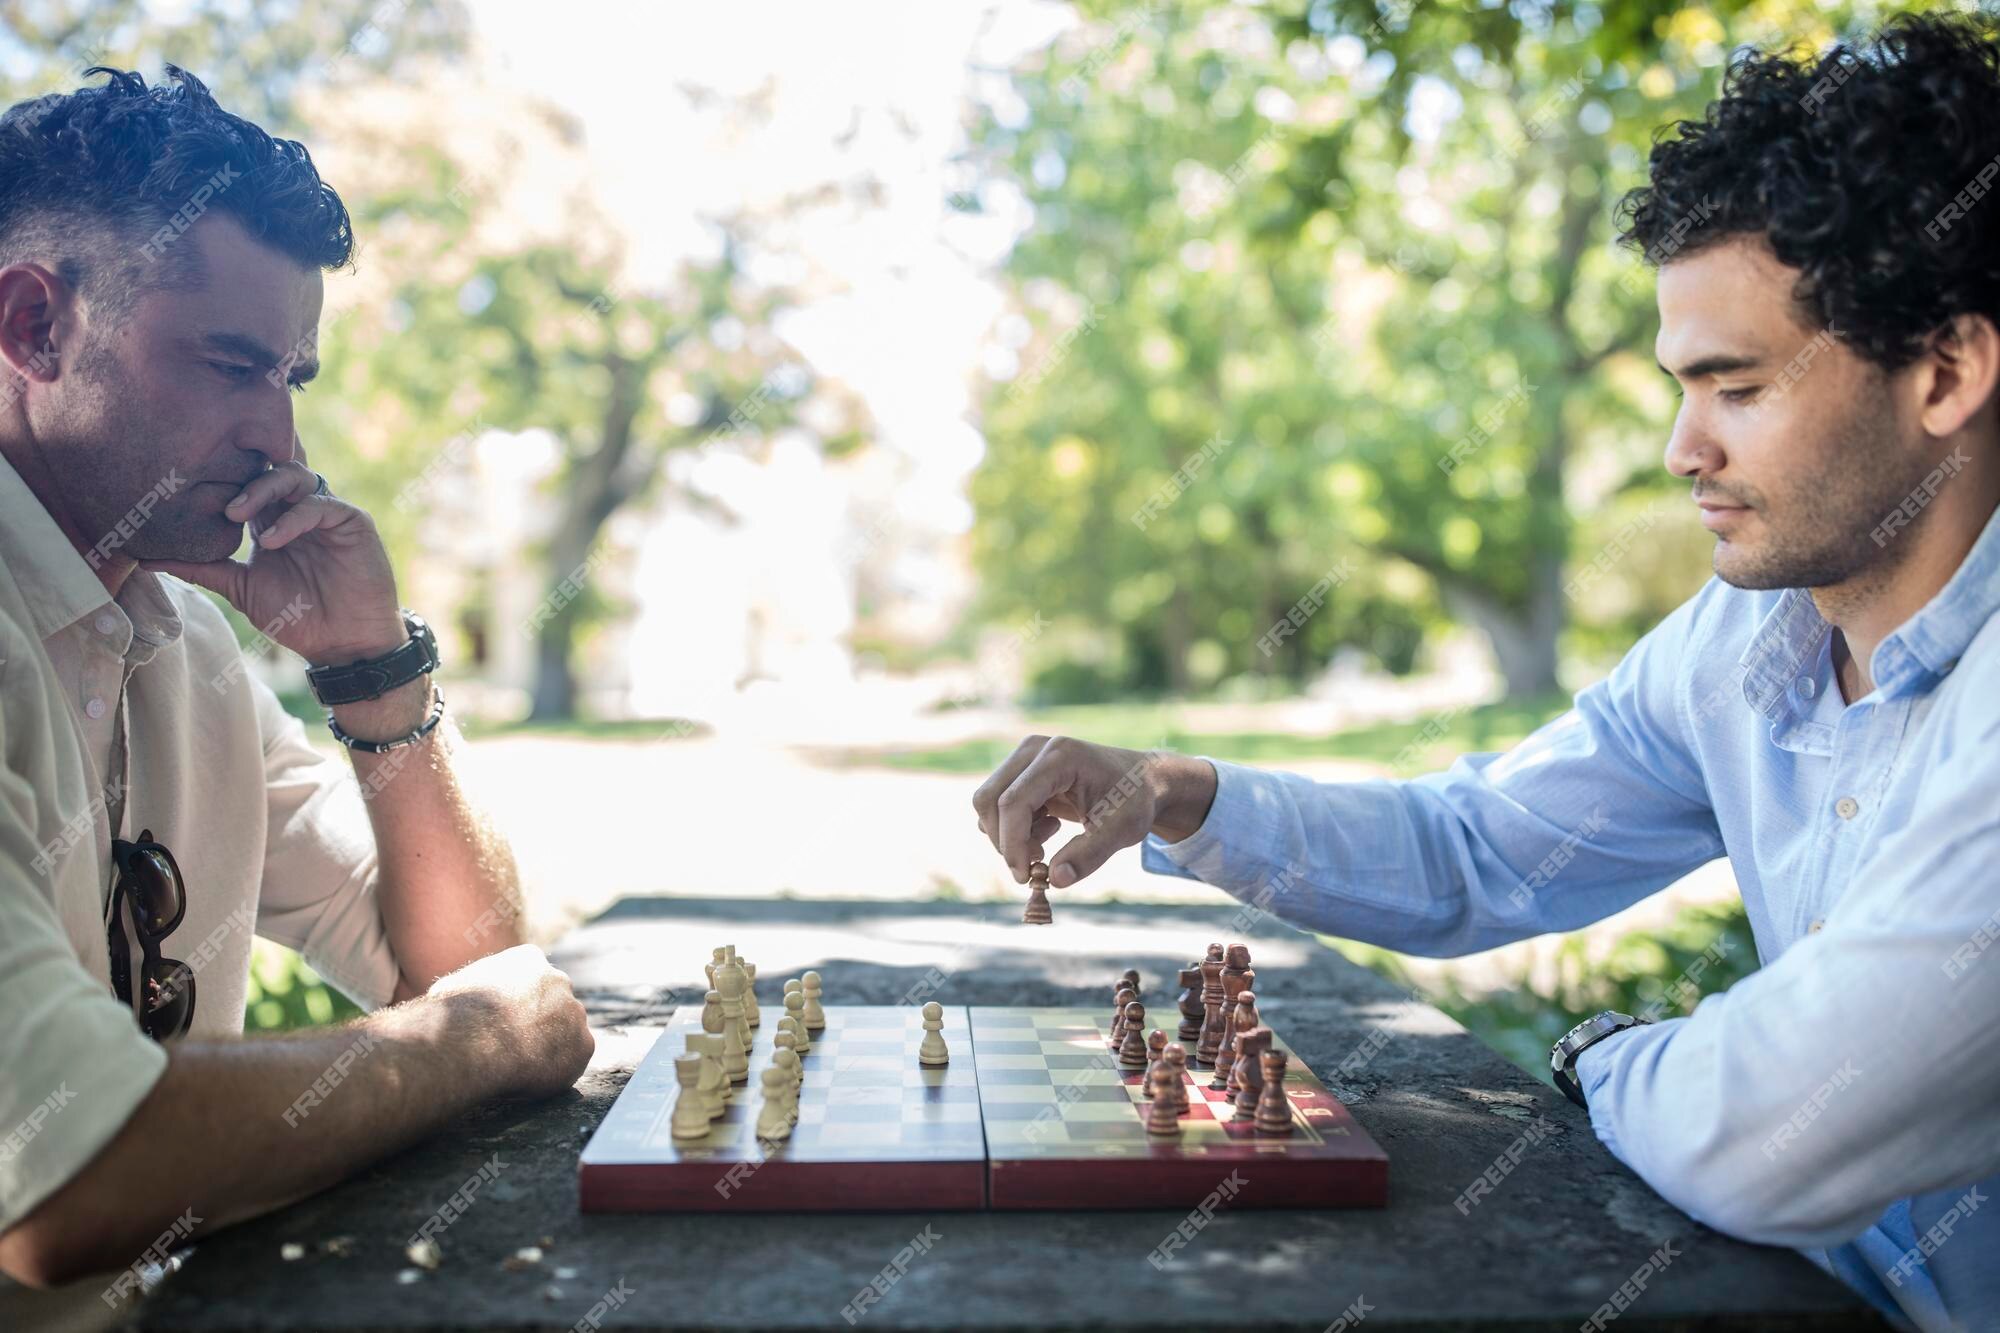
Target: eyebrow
<point x="303" y="368"/>
<point x="1721" y="364"/>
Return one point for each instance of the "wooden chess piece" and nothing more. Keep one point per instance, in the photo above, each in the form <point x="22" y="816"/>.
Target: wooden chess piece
<point x="815" y="1014"/>
<point x="690" y="1120"/>
<point x="1130" y="976"/>
<point x="1175" y="1058"/>
<point x="751" y="1013"/>
<point x="1211" y="1003"/>
<point x="735" y="1034"/>
<point x="1162" y="1117"/>
<point x="1190" y="1002"/>
<point x="1124" y="995"/>
<point x="718" y="955"/>
<point x="1234" y="982"/>
<point x="1156" y="1047"/>
<point x="711" y="1012"/>
<point x="1242" y="1018"/>
<point x="714" y="1084"/>
<point x="1251" y="1043"/>
<point x="782" y="1054"/>
<point x="1274" y="1111"/>
<point x="1213" y="955"/>
<point x="774" y="1116"/>
<point x="1132" y="1049"/>
<point x="1038" y="912"/>
<point x="932" y="1050"/>
<point x="795" y="1009"/>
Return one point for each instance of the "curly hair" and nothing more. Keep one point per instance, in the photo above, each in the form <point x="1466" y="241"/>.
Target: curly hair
<point x="1867" y="169"/>
<point x="102" y="182"/>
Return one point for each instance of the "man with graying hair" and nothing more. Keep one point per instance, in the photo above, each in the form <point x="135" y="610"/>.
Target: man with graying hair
<point x="160" y="298"/>
<point x="1825" y="712"/>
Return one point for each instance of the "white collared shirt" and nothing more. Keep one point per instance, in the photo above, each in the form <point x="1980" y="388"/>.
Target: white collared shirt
<point x="271" y="837"/>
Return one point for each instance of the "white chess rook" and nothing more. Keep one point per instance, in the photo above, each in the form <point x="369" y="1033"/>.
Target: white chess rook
<point x="690" y="1108"/>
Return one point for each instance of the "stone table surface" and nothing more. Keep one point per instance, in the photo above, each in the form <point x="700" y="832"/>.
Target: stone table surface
<point x="1547" y="1247"/>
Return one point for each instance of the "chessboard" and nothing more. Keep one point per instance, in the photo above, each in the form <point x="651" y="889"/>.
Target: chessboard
<point x="1032" y="1112"/>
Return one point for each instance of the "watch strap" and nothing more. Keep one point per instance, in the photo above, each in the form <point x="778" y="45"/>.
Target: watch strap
<point x="356" y="682"/>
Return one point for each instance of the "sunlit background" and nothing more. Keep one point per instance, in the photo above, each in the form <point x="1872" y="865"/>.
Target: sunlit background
<point x="781" y="410"/>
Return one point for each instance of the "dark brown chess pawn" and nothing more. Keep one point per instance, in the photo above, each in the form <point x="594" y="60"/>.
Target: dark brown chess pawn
<point x="1211" y="1004"/>
<point x="1175" y="1058"/>
<point x="1233" y="985"/>
<point x="1274" y="1111"/>
<point x="1162" y="1117"/>
<point x="1037" y="912"/>
<point x="1190" y="1002"/>
<point x="1214" y="954"/>
<point x="1156" y="1052"/>
<point x="1130" y="977"/>
<point x="1132" y="1050"/>
<point x="1125" y="995"/>
<point x="1251" y="1043"/>
<point x="1241" y="1019"/>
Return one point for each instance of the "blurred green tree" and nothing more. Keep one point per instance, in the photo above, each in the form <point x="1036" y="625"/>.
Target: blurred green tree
<point x="1325" y="281"/>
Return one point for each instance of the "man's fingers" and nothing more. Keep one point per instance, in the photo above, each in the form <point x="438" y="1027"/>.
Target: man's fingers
<point x="305" y="515"/>
<point x="281" y="485"/>
<point x="986" y="799"/>
<point x="1083" y="854"/>
<point x="224" y="577"/>
<point x="1023" y="801"/>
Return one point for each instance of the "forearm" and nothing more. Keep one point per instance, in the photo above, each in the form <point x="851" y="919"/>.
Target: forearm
<point x="448" y="886"/>
<point x="233" y="1129"/>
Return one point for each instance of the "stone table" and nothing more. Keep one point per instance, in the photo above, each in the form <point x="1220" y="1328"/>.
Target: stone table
<point x="1546" y="1247"/>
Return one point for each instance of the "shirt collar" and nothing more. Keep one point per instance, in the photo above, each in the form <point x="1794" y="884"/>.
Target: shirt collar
<point x="1924" y="647"/>
<point x="1930" y="642"/>
<point x="58" y="584"/>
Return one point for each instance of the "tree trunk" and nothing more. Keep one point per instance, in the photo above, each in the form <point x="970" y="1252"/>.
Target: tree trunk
<point x="1524" y="643"/>
<point x="595" y="487"/>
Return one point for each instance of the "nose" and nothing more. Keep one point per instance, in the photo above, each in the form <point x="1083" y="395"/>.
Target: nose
<point x="1691" y="450"/>
<point x="271" y="431"/>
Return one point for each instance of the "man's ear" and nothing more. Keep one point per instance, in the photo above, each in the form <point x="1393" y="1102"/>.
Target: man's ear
<point x="1965" y="369"/>
<point x="37" y="318"/>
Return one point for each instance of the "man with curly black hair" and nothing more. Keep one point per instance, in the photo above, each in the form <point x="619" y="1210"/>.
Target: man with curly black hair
<point x="1826" y="712"/>
<point x="160" y="296"/>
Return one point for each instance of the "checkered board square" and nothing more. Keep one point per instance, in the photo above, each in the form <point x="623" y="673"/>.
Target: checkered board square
<point x="1032" y="1112"/>
<point x="1065" y="1128"/>
<point x="875" y="1129"/>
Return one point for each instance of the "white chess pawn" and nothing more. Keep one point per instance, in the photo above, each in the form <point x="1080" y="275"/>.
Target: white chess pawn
<point x="714" y="1083"/>
<point x="933" y="1050"/>
<point x="795" y="1009"/>
<point x="690" y="1107"/>
<point x="751" y="1014"/>
<point x="774" y="1116"/>
<point x="787" y="1053"/>
<point x="815" y="1016"/>
<point x="789" y="1026"/>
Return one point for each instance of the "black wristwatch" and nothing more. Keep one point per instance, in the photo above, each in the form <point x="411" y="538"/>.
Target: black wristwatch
<point x="1562" y="1056"/>
<point x="354" y="682"/>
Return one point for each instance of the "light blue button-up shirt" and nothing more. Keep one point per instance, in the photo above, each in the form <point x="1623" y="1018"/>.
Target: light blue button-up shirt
<point x="1845" y="1098"/>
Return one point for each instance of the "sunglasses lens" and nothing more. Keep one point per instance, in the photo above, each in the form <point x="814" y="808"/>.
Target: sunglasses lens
<point x="169" y="1001"/>
<point x="158" y="900"/>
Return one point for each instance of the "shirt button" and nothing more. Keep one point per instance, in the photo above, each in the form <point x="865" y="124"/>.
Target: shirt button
<point x="1806" y="688"/>
<point x="1847" y="807"/>
<point x="1815" y="927"/>
<point x="107" y="623"/>
<point x="95" y="707"/>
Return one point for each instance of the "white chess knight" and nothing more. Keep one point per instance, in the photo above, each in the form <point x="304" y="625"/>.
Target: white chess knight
<point x="933" y="1051"/>
<point x="690" y="1107"/>
<point x="775" y="1116"/>
<point x="815" y="1016"/>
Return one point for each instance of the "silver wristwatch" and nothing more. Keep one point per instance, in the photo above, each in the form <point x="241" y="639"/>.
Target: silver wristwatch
<point x="1562" y="1056"/>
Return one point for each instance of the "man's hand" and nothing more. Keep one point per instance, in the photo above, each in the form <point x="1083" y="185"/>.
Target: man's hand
<point x="1119" y="796"/>
<point x="527" y="1019"/>
<point x="318" y="580"/>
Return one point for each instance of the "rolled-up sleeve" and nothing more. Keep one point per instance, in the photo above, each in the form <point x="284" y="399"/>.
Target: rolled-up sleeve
<point x="320" y="864"/>
<point x="1591" y="813"/>
<point x="73" y="1063"/>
